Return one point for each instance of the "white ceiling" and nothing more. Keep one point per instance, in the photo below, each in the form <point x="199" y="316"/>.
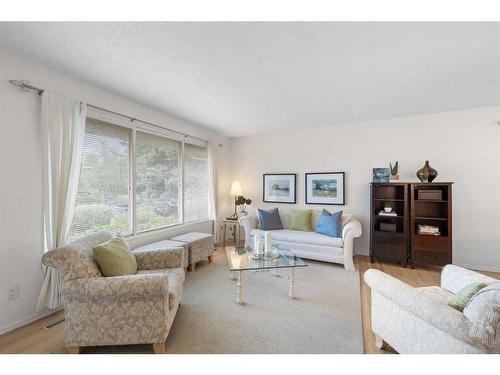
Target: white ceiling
<point x="248" y="78"/>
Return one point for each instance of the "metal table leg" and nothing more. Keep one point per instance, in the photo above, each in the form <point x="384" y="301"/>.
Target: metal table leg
<point x="240" y="287"/>
<point x="292" y="283"/>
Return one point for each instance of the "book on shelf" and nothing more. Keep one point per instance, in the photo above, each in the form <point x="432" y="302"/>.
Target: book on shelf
<point x="430" y="233"/>
<point x="383" y="213"/>
<point x="428" y="230"/>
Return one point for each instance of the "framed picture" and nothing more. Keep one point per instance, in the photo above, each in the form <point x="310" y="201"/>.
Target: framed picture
<point x="325" y="188"/>
<point x="280" y="188"/>
<point x="381" y="174"/>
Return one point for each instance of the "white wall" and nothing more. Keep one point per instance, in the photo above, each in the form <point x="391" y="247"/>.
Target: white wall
<point x="20" y="171"/>
<point x="464" y="147"/>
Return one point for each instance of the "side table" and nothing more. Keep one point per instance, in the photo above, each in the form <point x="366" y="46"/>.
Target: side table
<point x="236" y="230"/>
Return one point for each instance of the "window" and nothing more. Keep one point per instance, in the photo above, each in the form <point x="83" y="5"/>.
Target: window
<point x="157" y="181"/>
<point x="196" y="195"/>
<point x="105" y="189"/>
<point x="102" y="201"/>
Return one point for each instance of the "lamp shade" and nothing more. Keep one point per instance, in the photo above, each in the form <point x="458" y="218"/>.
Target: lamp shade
<point x="235" y="188"/>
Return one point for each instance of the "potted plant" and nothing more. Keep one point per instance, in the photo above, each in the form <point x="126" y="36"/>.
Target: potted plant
<point x="394" y="171"/>
<point x="243" y="202"/>
<point x="387" y="207"/>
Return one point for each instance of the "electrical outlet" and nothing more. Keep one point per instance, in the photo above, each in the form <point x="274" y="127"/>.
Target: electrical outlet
<point x="12" y="292"/>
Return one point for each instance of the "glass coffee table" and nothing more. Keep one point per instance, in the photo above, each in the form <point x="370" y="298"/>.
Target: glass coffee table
<point x="240" y="262"/>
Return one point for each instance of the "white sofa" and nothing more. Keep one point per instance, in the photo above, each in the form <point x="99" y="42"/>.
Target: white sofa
<point x="309" y="245"/>
<point x="419" y="320"/>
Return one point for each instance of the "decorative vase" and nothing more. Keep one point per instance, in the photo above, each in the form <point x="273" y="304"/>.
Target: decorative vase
<point x="427" y="173"/>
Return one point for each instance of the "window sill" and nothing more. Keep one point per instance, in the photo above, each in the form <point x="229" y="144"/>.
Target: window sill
<point x="174" y="227"/>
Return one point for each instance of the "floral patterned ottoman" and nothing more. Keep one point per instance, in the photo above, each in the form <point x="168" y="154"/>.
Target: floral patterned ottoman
<point x="167" y="245"/>
<point x="201" y="247"/>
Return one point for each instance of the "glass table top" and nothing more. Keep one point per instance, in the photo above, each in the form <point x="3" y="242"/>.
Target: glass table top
<point x="239" y="260"/>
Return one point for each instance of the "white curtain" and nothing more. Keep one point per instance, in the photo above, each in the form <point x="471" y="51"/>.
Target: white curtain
<point x="63" y="126"/>
<point x="212" y="171"/>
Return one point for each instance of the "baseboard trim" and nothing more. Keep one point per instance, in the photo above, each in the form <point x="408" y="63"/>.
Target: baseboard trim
<point x="361" y="252"/>
<point x="27" y="320"/>
<point x="469" y="266"/>
<point x="476" y="268"/>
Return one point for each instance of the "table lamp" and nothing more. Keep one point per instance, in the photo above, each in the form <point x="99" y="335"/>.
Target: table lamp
<point x="235" y="191"/>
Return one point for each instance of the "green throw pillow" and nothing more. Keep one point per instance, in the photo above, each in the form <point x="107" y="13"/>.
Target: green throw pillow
<point x="301" y="220"/>
<point x="115" y="258"/>
<point x="460" y="300"/>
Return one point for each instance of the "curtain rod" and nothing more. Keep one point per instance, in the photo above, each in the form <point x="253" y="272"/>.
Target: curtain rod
<point x="25" y="85"/>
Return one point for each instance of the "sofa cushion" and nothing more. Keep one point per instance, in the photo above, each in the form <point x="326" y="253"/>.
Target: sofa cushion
<point x="300" y="220"/>
<point x="330" y="224"/>
<point x="115" y="258"/>
<point x="316" y="214"/>
<point x="296" y="236"/>
<point x="269" y="220"/>
<point x="436" y="293"/>
<point x="483" y="310"/>
<point x="462" y="298"/>
<point x="175" y="284"/>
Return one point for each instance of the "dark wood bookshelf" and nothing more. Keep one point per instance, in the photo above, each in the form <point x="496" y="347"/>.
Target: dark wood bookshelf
<point x="403" y="244"/>
<point x="389" y="246"/>
<point x="431" y="249"/>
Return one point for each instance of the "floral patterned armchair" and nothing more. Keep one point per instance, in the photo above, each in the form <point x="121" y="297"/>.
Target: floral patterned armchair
<point x="134" y="309"/>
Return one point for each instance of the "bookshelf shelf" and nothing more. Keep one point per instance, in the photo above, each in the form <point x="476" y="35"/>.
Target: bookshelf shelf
<point x="429" y="218"/>
<point x="430" y="201"/>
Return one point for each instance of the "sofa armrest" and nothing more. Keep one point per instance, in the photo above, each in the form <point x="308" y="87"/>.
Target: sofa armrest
<point x="119" y="288"/>
<point x="350" y="231"/>
<point x="439" y="315"/>
<point x="159" y="259"/>
<point x="248" y="222"/>
<point x="454" y="278"/>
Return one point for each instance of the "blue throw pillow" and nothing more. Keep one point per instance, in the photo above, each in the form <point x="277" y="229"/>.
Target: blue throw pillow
<point x="330" y="224"/>
<point x="270" y="220"/>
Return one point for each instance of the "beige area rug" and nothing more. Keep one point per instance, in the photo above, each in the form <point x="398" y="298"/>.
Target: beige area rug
<point x="325" y="317"/>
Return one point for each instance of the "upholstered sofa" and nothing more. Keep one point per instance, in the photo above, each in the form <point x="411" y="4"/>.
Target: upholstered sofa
<point x="419" y="320"/>
<point x="134" y="309"/>
<point x="309" y="245"/>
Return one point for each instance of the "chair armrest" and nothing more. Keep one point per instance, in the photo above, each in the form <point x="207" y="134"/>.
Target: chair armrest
<point x="350" y="231"/>
<point x="119" y="288"/>
<point x="159" y="259"/>
<point x="248" y="222"/>
<point x="439" y="315"/>
<point x="454" y="278"/>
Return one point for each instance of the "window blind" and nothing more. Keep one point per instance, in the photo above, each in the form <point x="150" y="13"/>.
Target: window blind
<point x="196" y="184"/>
<point x="157" y="181"/>
<point x="102" y="201"/>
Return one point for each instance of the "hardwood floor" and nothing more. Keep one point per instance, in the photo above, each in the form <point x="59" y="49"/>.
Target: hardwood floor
<point x="33" y="338"/>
